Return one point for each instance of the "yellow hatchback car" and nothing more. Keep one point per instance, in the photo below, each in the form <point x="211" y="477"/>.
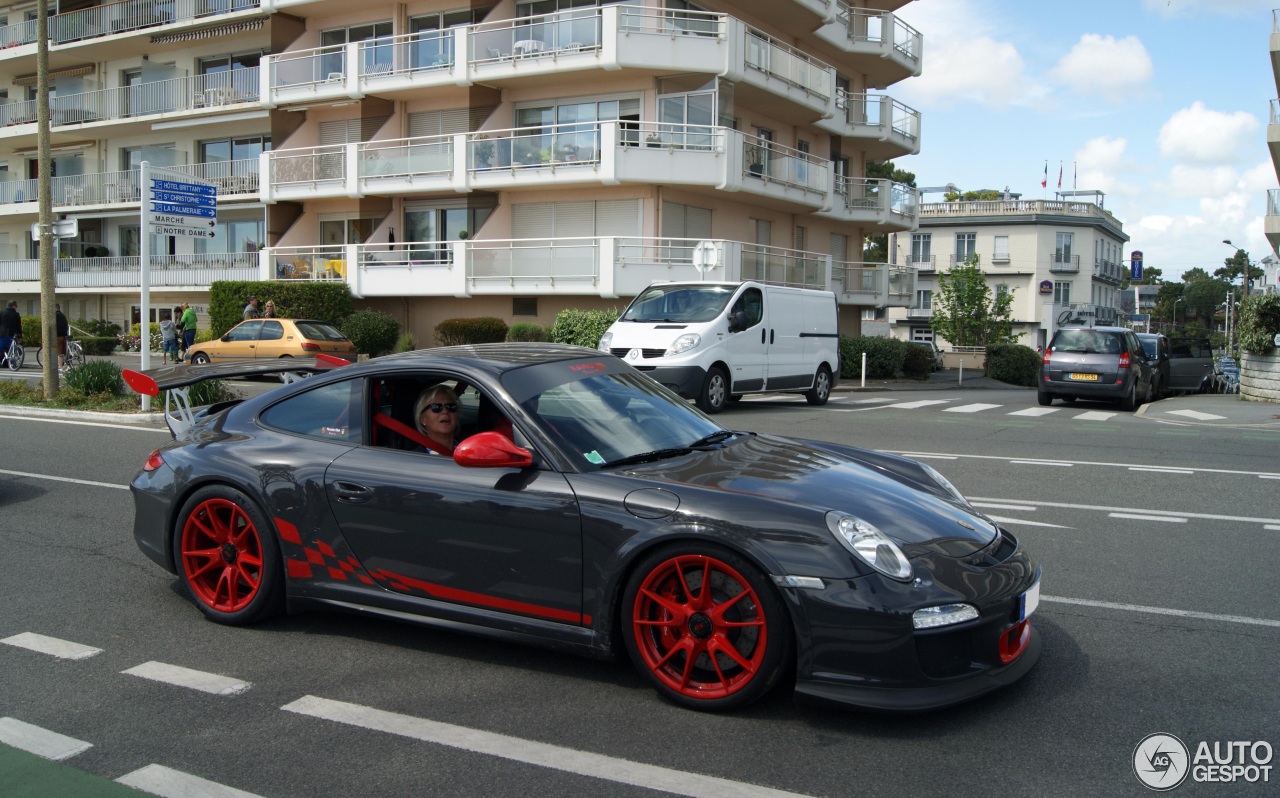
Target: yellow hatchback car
<point x="273" y="338"/>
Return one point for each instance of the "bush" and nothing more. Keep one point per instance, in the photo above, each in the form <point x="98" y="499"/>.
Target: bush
<point x="885" y="356"/>
<point x="135" y="334"/>
<point x="99" y="346"/>
<point x="372" y="331"/>
<point x="483" y="330"/>
<point x="97" y="328"/>
<point x="31" y="332"/>
<point x="917" y="362"/>
<point x="304" y="299"/>
<point x="96" y="377"/>
<point x="1013" y="363"/>
<point x="405" y="343"/>
<point x="528" y="331"/>
<point x="582" y="327"/>
<point x="1259" y="323"/>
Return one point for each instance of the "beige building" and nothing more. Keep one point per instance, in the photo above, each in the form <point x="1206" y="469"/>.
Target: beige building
<point x="508" y="159"/>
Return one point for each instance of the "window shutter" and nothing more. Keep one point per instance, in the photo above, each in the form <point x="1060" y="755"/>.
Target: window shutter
<point x="448" y="122"/>
<point x="348" y="131"/>
<point x="838" y="246"/>
<point x="618" y="218"/>
<point x="574" y="219"/>
<point x="532" y="220"/>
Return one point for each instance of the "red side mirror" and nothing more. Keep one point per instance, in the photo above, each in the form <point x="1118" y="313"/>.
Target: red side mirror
<point x="491" y="450"/>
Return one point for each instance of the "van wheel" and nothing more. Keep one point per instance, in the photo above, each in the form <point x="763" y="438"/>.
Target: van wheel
<point x="1044" y="399"/>
<point x="715" y="391"/>
<point x="821" y="390"/>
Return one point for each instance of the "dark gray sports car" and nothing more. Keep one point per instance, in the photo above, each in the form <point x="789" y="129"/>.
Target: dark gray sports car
<point x="588" y="509"/>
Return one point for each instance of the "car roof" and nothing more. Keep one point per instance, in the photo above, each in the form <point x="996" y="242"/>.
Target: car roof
<point x="496" y="358"/>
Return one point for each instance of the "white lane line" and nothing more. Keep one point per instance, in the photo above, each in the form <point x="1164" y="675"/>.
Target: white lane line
<point x="973" y="408"/>
<point x="918" y="404"/>
<point x="133" y="426"/>
<point x="1093" y="415"/>
<point x="1040" y="463"/>
<point x="935" y="457"/>
<point x="1207" y="616"/>
<point x="1161" y="513"/>
<point x="63" y="479"/>
<point x="1196" y="414"/>
<point x="1025" y="508"/>
<point x="1139" y="517"/>
<point x="1007" y="459"/>
<point x="1035" y="411"/>
<point x="170" y="783"/>
<point x="38" y="741"/>
<point x="880" y="401"/>
<point x="1269" y="476"/>
<point x="1273" y="527"/>
<point x="1023" y="522"/>
<point x="62" y="649"/>
<point x="582" y="763"/>
<point x="1162" y="470"/>
<point x="185" y="677"/>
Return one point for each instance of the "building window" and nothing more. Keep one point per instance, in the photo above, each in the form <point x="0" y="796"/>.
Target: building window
<point x="966" y="247"/>
<point x="924" y="299"/>
<point x="1062" y="247"/>
<point x="524" y="306"/>
<point x="1062" y="293"/>
<point x="1001" y="252"/>
<point x="333" y="41"/>
<point x="921" y="334"/>
<point x="922" y="250"/>
<point x="870" y="314"/>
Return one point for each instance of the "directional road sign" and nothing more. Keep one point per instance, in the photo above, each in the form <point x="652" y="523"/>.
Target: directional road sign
<point x="180" y="205"/>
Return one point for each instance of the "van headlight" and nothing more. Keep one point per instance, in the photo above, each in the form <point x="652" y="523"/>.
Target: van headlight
<point x="870" y="545"/>
<point x="683" y="344"/>
<point x="606" y="341"/>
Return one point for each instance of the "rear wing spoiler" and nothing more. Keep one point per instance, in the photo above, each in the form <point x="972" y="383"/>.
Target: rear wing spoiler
<point x="176" y="381"/>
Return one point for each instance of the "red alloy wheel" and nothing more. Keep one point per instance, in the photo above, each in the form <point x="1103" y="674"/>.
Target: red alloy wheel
<point x="699" y="627"/>
<point x="222" y="555"/>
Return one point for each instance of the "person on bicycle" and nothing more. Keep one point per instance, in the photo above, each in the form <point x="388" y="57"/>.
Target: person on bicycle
<point x="10" y="325"/>
<point x="62" y="329"/>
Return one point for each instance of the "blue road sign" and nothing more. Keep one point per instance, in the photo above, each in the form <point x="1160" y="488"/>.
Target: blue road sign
<point x="187" y="188"/>
<point x="195" y="200"/>
<point x="184" y="210"/>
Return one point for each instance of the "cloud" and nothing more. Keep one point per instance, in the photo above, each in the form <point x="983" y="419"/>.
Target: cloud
<point x="1102" y="164"/>
<point x="1203" y="136"/>
<point x="1113" y="68"/>
<point x="1186" y="8"/>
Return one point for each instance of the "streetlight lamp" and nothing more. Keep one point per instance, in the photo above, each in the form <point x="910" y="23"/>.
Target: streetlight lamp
<point x="1248" y="266"/>
<point x="1175" y="311"/>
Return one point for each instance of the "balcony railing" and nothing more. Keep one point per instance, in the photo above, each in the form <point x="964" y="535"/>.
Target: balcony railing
<point x="879" y="111"/>
<point x="232" y="178"/>
<point x="784" y="62"/>
<point x="112" y="18"/>
<point x="923" y="263"/>
<point x="1064" y="264"/>
<point x="144" y="99"/>
<point x="1273" y="202"/>
<point x="125" y="271"/>
<point x="769" y="161"/>
<point x="1109" y="272"/>
<point x="881" y="29"/>
<point x="878" y="196"/>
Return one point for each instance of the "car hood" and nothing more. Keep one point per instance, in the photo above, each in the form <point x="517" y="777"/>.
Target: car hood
<point x="893" y="493"/>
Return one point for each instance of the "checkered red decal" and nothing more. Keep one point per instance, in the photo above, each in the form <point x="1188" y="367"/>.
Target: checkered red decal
<point x="324" y="559"/>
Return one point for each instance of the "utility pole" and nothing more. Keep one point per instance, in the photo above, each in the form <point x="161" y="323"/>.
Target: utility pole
<point x="48" y="280"/>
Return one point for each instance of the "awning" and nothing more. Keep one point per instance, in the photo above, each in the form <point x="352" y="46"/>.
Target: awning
<point x="209" y="33"/>
<point x="54" y="74"/>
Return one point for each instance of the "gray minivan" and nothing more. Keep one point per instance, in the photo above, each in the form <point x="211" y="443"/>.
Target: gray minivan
<point x="1096" y="363"/>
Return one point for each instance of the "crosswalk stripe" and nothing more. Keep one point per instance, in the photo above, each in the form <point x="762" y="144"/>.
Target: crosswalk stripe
<point x="62" y="649"/>
<point x="38" y="741"/>
<point x="1035" y="411"/>
<point x="920" y="403"/>
<point x="1093" y="415"/>
<point x="170" y="783"/>
<point x="1196" y="414"/>
<point x="974" y="408"/>
<point x="185" y="677"/>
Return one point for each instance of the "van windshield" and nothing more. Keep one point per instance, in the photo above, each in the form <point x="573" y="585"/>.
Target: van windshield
<point x="678" y="303"/>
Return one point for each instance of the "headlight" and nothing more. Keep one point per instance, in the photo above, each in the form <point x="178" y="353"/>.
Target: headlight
<point x="683" y="344"/>
<point x="606" y="341"/>
<point x="944" y="483"/>
<point x="870" y="545"/>
<point x="947" y="614"/>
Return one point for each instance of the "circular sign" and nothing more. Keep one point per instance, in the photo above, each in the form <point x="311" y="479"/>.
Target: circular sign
<point x="1160" y="761"/>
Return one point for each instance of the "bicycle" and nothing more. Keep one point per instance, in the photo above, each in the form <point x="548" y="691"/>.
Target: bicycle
<point x="74" y="356"/>
<point x="14" y="356"/>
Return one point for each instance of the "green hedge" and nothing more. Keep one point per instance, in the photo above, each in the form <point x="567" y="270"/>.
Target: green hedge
<point x="322" y="301"/>
<point x="528" y="331"/>
<point x="582" y="327"/>
<point x="482" y="330"/>
<point x="917" y="362"/>
<point x="372" y="331"/>
<point x="1013" y="363"/>
<point x="99" y="346"/>
<point x="1259" y="323"/>
<point x="885" y="357"/>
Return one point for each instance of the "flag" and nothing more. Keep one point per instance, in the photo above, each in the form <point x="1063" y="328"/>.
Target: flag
<point x="1044" y="183"/>
<point x="1075" y="173"/>
<point x="1059" y="174"/>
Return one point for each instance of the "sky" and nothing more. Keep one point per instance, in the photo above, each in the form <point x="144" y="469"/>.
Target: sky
<point x="1161" y="104"/>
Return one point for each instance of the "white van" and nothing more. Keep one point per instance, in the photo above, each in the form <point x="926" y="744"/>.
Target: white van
<point x="713" y="342"/>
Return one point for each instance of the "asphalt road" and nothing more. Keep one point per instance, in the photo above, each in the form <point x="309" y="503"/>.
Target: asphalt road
<point x="1158" y="544"/>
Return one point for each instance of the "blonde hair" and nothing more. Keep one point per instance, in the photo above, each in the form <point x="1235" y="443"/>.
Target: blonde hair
<point x="427" y="397"/>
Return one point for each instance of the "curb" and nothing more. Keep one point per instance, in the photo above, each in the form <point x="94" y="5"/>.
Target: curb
<point x="132" y="419"/>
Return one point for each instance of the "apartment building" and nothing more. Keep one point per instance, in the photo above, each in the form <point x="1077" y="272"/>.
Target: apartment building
<point x="446" y="158"/>
<point x="1063" y="259"/>
<point x="1271" y="224"/>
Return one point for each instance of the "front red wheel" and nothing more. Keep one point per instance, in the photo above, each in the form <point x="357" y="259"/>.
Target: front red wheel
<point x="705" y="627"/>
<point x="227" y="557"/>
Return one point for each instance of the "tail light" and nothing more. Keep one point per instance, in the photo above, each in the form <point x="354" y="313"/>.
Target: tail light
<point x="1124" y="360"/>
<point x="307" y="346"/>
<point x="1045" y="359"/>
<point x="154" y="461"/>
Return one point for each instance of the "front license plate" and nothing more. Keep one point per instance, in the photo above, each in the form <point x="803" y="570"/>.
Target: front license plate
<point x="1084" y="377"/>
<point x="1028" y="602"/>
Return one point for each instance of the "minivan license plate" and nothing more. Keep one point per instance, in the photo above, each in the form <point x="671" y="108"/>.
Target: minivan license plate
<point x="1085" y="377"/>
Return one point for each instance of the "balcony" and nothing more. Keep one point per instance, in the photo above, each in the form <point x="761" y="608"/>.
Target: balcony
<point x="528" y="50"/>
<point x="236" y="180"/>
<point x="873" y="284"/>
<point x="874" y="202"/>
<point x="167" y="271"/>
<point x="602" y="153"/>
<point x="1272" y="220"/>
<point x="894" y="46"/>
<point x="1064" y="264"/>
<point x="1273" y="136"/>
<point x="883" y="127"/>
<point x="142" y="103"/>
<point x="989" y="211"/>
<point x="1107" y="272"/>
<point x="919" y="312"/>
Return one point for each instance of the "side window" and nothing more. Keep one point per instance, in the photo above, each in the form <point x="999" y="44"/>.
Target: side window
<point x="245" y="332"/>
<point x="271" y="331"/>
<point x="331" y="412"/>
<point x="751" y="307"/>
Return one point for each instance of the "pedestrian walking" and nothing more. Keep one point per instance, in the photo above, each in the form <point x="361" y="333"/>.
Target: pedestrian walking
<point x="188" y="322"/>
<point x="251" y="309"/>
<point x="62" y="329"/>
<point x="168" y="337"/>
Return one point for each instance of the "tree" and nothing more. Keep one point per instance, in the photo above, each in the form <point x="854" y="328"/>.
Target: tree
<point x="982" y="195"/>
<point x="1234" y="266"/>
<point x="1195" y="275"/>
<point x="1204" y="297"/>
<point x="964" y="311"/>
<point x="875" y="249"/>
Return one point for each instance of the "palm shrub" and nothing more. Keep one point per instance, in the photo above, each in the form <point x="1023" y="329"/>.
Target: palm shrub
<point x="96" y="377"/>
<point x="372" y="331"/>
<point x="582" y="327"/>
<point x="405" y="343"/>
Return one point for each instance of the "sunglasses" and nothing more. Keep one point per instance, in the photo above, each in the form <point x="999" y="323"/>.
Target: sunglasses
<point x="439" y="407"/>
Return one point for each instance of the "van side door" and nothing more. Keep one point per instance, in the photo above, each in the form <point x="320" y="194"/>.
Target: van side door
<point x="788" y="366"/>
<point x="746" y="346"/>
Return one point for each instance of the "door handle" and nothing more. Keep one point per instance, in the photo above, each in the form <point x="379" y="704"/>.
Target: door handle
<point x="352" y="493"/>
<point x="771" y="331"/>
<point x="761" y="335"/>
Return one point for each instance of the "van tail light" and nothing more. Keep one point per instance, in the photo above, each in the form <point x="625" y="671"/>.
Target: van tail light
<point x="1124" y="360"/>
<point x="307" y="346"/>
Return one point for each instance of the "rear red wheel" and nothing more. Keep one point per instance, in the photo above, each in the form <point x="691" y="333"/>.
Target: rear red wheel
<point x="227" y="557"/>
<point x="705" y="627"/>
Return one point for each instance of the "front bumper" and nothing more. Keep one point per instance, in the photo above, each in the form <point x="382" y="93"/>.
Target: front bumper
<point x="684" y="380"/>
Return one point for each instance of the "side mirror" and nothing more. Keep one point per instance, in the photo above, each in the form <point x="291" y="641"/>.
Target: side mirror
<point x="224" y="339"/>
<point x="491" y="450"/>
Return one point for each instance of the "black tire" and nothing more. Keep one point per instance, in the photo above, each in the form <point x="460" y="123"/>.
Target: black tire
<point x="227" y="556"/>
<point x="821" y="390"/>
<point x="199" y="359"/>
<point x="755" y="625"/>
<point x="1044" y="399"/>
<point x="1130" y="401"/>
<point x="715" y="391"/>
<point x="18" y="356"/>
<point x="734" y="398"/>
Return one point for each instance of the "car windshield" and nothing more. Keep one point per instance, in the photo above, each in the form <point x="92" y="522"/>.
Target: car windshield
<point x="1090" y="342"/>
<point x="319" y="331"/>
<point x="1149" y="346"/>
<point x="678" y="303"/>
<point x="604" y="419"/>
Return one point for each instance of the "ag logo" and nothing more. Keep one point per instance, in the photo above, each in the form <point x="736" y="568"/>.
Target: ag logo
<point x="1160" y="761"/>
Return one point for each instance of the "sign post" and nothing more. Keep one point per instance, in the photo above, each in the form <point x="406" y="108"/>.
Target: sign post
<point x="173" y="204"/>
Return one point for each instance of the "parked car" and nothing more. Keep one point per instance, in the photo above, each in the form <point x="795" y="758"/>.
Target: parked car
<point x="1095" y="363"/>
<point x="1190" y="364"/>
<point x="273" y="338"/>
<point x="934" y="352"/>
<point x="587" y="509"/>
<point x="1156" y="347"/>
<point x="1225" y="377"/>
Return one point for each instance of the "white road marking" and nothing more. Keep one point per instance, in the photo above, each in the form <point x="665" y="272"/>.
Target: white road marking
<point x="1026" y="508"/>
<point x="583" y="763"/>
<point x="125" y="425"/>
<point x="38" y="741"/>
<point x="1196" y="414"/>
<point x="62" y="649"/>
<point x="1162" y="470"/>
<point x="1040" y="463"/>
<point x="1006" y="459"/>
<point x="1160" y="513"/>
<point x="1273" y="527"/>
<point x="880" y="401"/>
<point x="1207" y="616"/>
<point x="185" y="677"/>
<point x="1139" y="517"/>
<point x="1023" y="522"/>
<point x="1035" y="411"/>
<point x="63" y="479"/>
<point x="917" y="404"/>
<point x="1093" y="415"/>
<point x="170" y="783"/>
<point x="1269" y="476"/>
<point x="973" y="408"/>
<point x="935" y="457"/>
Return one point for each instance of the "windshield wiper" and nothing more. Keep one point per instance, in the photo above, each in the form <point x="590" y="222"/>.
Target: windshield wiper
<point x="715" y="437"/>
<point x="645" y="457"/>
